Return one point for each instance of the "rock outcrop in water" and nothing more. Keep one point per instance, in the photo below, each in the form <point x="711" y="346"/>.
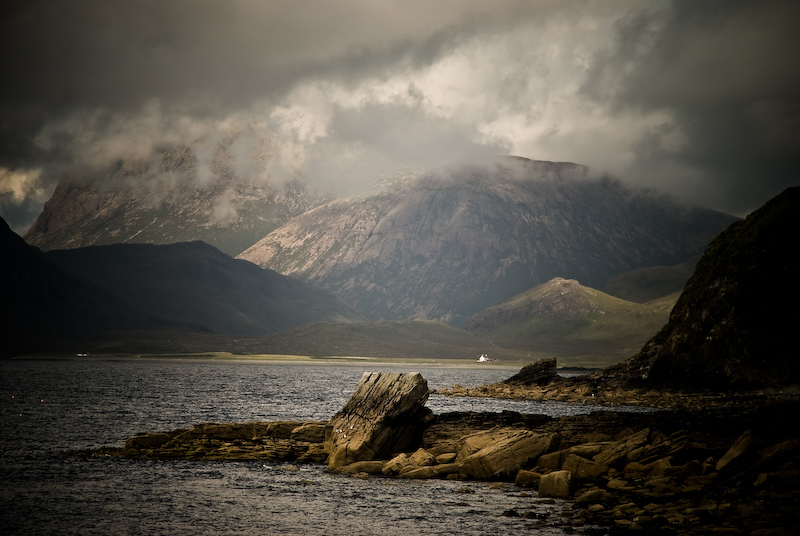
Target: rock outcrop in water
<point x="383" y="416"/>
<point x="541" y="372"/>
<point x="718" y="465"/>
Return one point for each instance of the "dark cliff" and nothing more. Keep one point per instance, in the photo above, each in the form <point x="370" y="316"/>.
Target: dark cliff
<point x="733" y="326"/>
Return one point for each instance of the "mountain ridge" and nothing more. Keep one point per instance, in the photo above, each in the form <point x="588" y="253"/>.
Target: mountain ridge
<point x="464" y="237"/>
<point x="168" y="198"/>
<point x="68" y="298"/>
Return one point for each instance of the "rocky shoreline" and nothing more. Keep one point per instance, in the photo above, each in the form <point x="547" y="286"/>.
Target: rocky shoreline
<point x="703" y="464"/>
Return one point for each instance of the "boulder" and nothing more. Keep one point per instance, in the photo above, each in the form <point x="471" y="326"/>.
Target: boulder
<point x="582" y="468"/>
<point x="311" y="432"/>
<point x="447" y="469"/>
<point x="368" y="467"/>
<point x="509" y="450"/>
<point x="422" y="458"/>
<point x="384" y="416"/>
<point x="552" y="461"/>
<point x="527" y="478"/>
<point x="447" y="457"/>
<point x="594" y="496"/>
<point x="620" y="451"/>
<point x="556" y="484"/>
<point x="472" y="443"/>
<point x="419" y="472"/>
<point x="395" y="465"/>
<point x="741" y="446"/>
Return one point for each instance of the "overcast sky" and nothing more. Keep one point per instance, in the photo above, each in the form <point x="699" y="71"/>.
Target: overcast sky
<point x="700" y="99"/>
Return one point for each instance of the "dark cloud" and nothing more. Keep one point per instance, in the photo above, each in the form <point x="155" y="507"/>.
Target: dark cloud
<point x="694" y="98"/>
<point x="728" y="78"/>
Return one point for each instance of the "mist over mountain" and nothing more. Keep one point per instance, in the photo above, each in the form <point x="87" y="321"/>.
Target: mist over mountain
<point x="205" y="192"/>
<point x="468" y="236"/>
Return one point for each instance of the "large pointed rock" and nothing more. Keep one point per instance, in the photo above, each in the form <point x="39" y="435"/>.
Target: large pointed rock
<point x="384" y="416"/>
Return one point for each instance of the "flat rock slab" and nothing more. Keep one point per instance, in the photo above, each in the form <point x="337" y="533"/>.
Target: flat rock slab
<point x="384" y="416"/>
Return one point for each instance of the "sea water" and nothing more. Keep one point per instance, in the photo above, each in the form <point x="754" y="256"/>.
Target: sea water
<point x="51" y="406"/>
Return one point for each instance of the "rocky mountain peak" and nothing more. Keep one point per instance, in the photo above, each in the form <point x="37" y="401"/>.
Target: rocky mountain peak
<point x="464" y="237"/>
<point x="174" y="194"/>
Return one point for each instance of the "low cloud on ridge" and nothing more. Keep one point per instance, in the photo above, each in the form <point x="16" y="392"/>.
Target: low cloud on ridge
<point x="698" y="99"/>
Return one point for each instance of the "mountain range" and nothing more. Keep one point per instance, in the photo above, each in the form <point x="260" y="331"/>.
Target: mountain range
<point x="497" y="246"/>
<point x="167" y="198"/>
<point x="127" y="291"/>
<point x="465" y="237"/>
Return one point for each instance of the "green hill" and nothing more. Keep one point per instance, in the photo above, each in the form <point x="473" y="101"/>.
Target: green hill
<point x="575" y="323"/>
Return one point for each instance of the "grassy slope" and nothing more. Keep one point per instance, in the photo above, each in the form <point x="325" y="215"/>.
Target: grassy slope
<point x="575" y="323"/>
<point x="647" y="284"/>
<point x="406" y="339"/>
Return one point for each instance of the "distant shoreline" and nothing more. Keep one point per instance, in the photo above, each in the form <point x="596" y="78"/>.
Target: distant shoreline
<point x="227" y="357"/>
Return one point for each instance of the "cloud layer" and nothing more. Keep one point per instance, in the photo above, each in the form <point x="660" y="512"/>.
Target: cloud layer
<point x="699" y="99"/>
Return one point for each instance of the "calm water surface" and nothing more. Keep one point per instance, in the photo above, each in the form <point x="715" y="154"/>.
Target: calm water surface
<point x="52" y="406"/>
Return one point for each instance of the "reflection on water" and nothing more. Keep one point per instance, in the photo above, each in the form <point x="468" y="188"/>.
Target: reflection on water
<point x="52" y="406"/>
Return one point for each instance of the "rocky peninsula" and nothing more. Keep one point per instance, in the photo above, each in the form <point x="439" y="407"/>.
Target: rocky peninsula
<point x="712" y="465"/>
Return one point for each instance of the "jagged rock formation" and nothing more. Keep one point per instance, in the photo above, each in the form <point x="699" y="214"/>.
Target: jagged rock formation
<point x="733" y="325"/>
<point x="383" y="416"/>
<point x="166" y="198"/>
<point x="457" y="240"/>
<point x="541" y="372"/>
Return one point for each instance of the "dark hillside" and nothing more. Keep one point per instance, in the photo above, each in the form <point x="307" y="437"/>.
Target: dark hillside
<point x="77" y="300"/>
<point x="734" y="325"/>
<point x="651" y="283"/>
<point x="197" y="286"/>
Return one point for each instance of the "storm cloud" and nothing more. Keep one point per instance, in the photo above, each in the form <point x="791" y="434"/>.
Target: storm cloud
<point x="697" y="99"/>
